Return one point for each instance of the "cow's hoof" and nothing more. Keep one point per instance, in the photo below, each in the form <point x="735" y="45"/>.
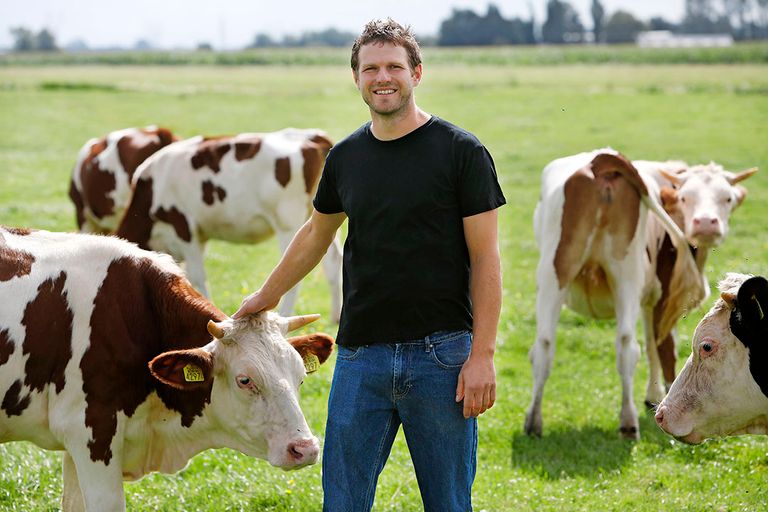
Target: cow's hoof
<point x="630" y="432"/>
<point x="532" y="426"/>
<point x="650" y="405"/>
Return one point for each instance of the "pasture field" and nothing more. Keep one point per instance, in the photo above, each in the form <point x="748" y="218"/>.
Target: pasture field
<point x="526" y="116"/>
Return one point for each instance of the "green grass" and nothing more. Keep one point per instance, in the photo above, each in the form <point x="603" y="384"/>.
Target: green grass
<point x="526" y="116"/>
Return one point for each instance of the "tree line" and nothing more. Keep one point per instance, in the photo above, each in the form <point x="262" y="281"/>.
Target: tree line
<point x="742" y="19"/>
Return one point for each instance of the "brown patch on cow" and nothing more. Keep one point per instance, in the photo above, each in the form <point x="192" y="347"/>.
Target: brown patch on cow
<point x="6" y="346"/>
<point x="97" y="183"/>
<point x="48" y="338"/>
<point x="18" y="231"/>
<point x="178" y="220"/>
<point x="210" y="152"/>
<point x="604" y="196"/>
<point x="13" y="262"/>
<point x="136" y="147"/>
<point x="283" y="171"/>
<point x="211" y="192"/>
<point x="319" y="344"/>
<point x="324" y="142"/>
<point x="13" y="404"/>
<point x="136" y="224"/>
<point x="139" y="312"/>
<point x="665" y="264"/>
<point x="313" y="165"/>
<point x="247" y="149"/>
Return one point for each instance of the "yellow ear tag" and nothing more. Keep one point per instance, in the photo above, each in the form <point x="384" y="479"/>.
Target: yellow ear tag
<point x="193" y="373"/>
<point x="311" y="362"/>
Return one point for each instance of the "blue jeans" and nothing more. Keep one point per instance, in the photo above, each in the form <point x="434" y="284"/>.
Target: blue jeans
<point x="376" y="388"/>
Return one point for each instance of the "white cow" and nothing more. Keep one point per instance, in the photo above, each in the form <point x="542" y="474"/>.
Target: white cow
<point x="106" y="353"/>
<point x="240" y="189"/>
<point x="604" y="257"/>
<point x="723" y="388"/>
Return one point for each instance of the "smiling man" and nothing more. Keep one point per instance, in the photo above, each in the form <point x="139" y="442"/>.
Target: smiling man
<point x="422" y="285"/>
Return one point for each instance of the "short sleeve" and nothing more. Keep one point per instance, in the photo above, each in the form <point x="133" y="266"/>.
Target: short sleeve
<point x="327" y="196"/>
<point x="479" y="189"/>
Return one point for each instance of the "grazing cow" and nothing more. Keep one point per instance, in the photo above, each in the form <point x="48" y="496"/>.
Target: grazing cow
<point x="604" y="257"/>
<point x="241" y="189"/>
<point x="106" y="353"/>
<point x="723" y="388"/>
<point x="101" y="179"/>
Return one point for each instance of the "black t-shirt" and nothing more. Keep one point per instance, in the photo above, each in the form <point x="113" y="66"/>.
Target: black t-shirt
<point x="406" y="264"/>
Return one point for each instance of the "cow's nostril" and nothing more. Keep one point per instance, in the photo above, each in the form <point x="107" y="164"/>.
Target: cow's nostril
<point x="295" y="453"/>
<point x="659" y="416"/>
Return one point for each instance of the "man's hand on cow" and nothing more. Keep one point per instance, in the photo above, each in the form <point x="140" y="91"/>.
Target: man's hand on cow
<point x="477" y="385"/>
<point x="255" y="303"/>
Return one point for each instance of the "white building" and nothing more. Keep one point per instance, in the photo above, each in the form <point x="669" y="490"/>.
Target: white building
<point x="666" y="39"/>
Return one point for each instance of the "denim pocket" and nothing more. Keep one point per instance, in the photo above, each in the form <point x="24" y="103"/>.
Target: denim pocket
<point x="452" y="351"/>
<point x="348" y="353"/>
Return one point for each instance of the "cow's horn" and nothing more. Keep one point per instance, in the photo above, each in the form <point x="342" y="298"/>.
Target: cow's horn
<point x="295" y="322"/>
<point x="742" y="176"/>
<point x="214" y="329"/>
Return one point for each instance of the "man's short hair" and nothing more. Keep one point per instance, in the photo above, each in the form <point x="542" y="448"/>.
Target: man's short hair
<point x="387" y="31"/>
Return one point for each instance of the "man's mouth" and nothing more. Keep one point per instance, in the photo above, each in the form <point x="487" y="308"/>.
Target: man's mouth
<point x="384" y="92"/>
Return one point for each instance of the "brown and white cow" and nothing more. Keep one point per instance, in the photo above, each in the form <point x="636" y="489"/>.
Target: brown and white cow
<point x="106" y="353"/>
<point x="240" y="189"/>
<point x="723" y="388"/>
<point x="603" y="256"/>
<point x="100" y="186"/>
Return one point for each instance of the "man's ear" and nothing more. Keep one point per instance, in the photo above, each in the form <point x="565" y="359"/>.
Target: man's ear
<point x="749" y="320"/>
<point x="183" y="369"/>
<point x="319" y="344"/>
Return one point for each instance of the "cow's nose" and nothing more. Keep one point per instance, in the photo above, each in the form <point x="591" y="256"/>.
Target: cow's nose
<point x="660" y="415"/>
<point x="304" y="451"/>
<point x="705" y="222"/>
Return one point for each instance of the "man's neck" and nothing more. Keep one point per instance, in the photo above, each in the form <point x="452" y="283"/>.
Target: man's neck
<point x="394" y="127"/>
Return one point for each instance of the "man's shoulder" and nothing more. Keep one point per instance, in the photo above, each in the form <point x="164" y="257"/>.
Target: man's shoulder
<point x="455" y="132"/>
<point x="351" y="141"/>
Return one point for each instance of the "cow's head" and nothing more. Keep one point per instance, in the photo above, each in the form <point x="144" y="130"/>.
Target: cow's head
<point x="723" y="387"/>
<point x="256" y="375"/>
<point x="702" y="199"/>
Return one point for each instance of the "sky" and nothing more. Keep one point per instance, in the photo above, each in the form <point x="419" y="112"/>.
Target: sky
<point x="232" y="24"/>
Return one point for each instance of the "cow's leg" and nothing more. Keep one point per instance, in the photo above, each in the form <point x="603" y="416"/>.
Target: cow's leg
<point x="288" y="301"/>
<point x="549" y="300"/>
<point x="194" y="263"/>
<point x="668" y="357"/>
<point x="627" y="305"/>
<point x="654" y="392"/>
<point x="71" y="497"/>
<point x="332" y="269"/>
<point x="102" y="485"/>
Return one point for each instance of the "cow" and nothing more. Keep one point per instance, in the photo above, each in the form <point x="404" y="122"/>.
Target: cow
<point x="240" y="188"/>
<point x="100" y="186"/>
<point x="603" y="256"/>
<point x="109" y="354"/>
<point x="723" y="388"/>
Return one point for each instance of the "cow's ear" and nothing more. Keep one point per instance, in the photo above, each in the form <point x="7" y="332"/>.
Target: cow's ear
<point x="318" y="344"/>
<point x="749" y="320"/>
<point x="669" y="199"/>
<point x="183" y="369"/>
<point x="741" y="194"/>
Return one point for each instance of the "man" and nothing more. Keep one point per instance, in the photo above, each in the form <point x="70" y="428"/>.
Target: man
<point x="422" y="285"/>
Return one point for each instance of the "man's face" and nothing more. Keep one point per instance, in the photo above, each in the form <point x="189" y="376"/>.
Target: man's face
<point x="385" y="78"/>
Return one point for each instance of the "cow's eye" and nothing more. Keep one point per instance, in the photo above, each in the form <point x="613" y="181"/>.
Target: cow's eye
<point x="682" y="199"/>
<point x="728" y="200"/>
<point x="245" y="382"/>
<point x="707" y="348"/>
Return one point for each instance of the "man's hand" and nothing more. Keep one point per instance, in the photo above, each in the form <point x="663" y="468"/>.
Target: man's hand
<point x="255" y="303"/>
<point x="477" y="385"/>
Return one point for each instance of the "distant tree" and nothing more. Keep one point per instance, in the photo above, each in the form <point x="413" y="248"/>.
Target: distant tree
<point x="204" y="47"/>
<point x="23" y="39"/>
<point x="465" y="28"/>
<point x="622" y="27"/>
<point x="701" y="17"/>
<point x="77" y="45"/>
<point x="45" y="41"/>
<point x="598" y="15"/>
<point x="262" y="41"/>
<point x="327" y="37"/>
<point x="562" y="24"/>
<point x="142" y="45"/>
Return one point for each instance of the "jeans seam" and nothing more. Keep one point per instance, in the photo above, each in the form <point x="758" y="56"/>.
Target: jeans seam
<point x="371" y="480"/>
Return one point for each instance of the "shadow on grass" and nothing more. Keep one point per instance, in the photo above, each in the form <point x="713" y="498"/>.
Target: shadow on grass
<point x="584" y="451"/>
